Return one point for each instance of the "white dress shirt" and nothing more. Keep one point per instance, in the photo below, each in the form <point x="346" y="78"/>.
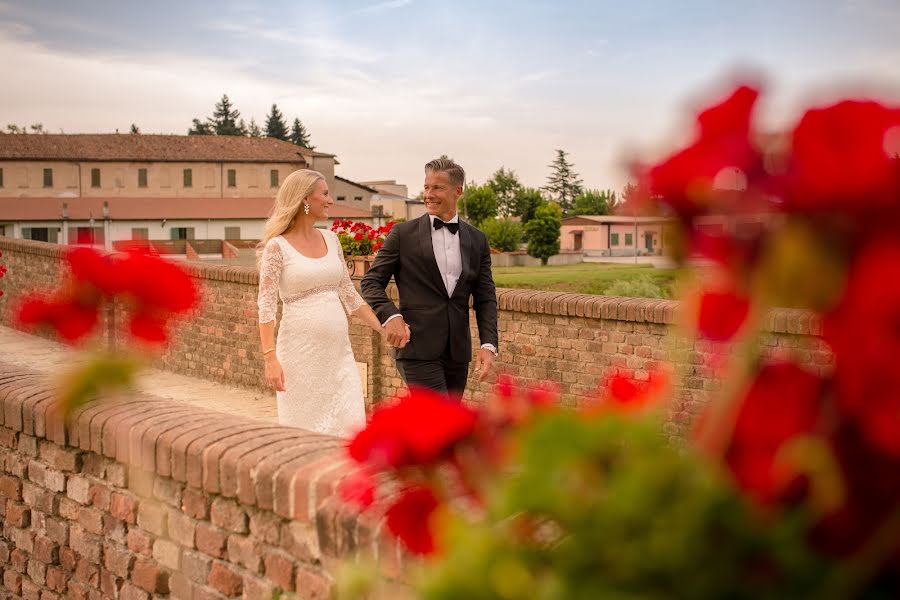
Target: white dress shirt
<point x="447" y="253"/>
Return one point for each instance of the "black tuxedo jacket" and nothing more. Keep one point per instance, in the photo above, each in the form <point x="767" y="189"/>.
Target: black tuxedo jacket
<point x="432" y="315"/>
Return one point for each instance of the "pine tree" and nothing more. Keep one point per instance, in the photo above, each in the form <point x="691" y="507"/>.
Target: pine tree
<point x="225" y="118"/>
<point x="201" y="128"/>
<point x="505" y="185"/>
<point x="253" y="129"/>
<point x="134" y="129"/>
<point x="563" y="183"/>
<point x="300" y="136"/>
<point x="275" y="125"/>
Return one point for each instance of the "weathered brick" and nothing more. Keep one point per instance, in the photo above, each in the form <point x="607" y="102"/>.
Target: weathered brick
<point x="67" y="559"/>
<point x="57" y="530"/>
<point x="196" y="566"/>
<point x="257" y="587"/>
<point x="152" y="517"/>
<point x="313" y="586"/>
<point x="99" y="496"/>
<point x="117" y="560"/>
<point x="280" y="569"/>
<point x="225" y="579"/>
<point x="167" y="553"/>
<point x="91" y="519"/>
<point x="85" y="544"/>
<point x="114" y="530"/>
<point x="4" y="552"/>
<point x="22" y="538"/>
<point x="28" y="445"/>
<point x="10" y="488"/>
<point x="123" y="507"/>
<point x="130" y="591"/>
<point x="211" y="540"/>
<point x="116" y="475"/>
<point x="229" y="515"/>
<point x="48" y="478"/>
<point x="46" y="550"/>
<point x="140" y="482"/>
<point x="246" y="552"/>
<point x="302" y="541"/>
<point x="12" y="581"/>
<point x="40" y="499"/>
<point x="18" y="559"/>
<point x="195" y="503"/>
<point x="17" y="515"/>
<point x="64" y="459"/>
<point x="78" y="591"/>
<point x="56" y="579"/>
<point x="182" y="588"/>
<point x="37" y="571"/>
<point x="167" y="491"/>
<point x="78" y="488"/>
<point x="266" y="527"/>
<point x="109" y="583"/>
<point x="8" y="438"/>
<point x="182" y="528"/>
<point x="69" y="509"/>
<point x="30" y="590"/>
<point x="139" y="542"/>
<point x="87" y="573"/>
<point x="149" y="576"/>
<point x="94" y="465"/>
<point x="48" y="595"/>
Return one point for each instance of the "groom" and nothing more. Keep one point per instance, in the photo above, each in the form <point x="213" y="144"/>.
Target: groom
<point x="438" y="262"/>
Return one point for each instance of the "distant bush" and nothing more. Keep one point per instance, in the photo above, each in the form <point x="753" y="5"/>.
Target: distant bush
<point x="503" y="234"/>
<point x="640" y="287"/>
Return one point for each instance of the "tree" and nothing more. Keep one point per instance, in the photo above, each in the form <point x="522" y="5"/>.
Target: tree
<point x="37" y="128"/>
<point x="505" y="185"/>
<point x="134" y="129"/>
<point x="503" y="234"/>
<point x="594" y="202"/>
<point x="253" y="129"/>
<point x="478" y="203"/>
<point x="527" y="201"/>
<point x="225" y="118"/>
<point x="563" y="183"/>
<point x="201" y="128"/>
<point x="543" y="232"/>
<point x="275" y="125"/>
<point x="300" y="136"/>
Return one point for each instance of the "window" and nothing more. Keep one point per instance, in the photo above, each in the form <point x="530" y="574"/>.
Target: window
<point x="232" y="233"/>
<point x="629" y="239"/>
<point x="140" y="233"/>
<point x="357" y="198"/>
<point x="182" y="233"/>
<point x="188" y="179"/>
<point x="142" y="182"/>
<point x="48" y="178"/>
<point x="341" y="198"/>
<point x="87" y="236"/>
<point x="95" y="177"/>
<point x="232" y="178"/>
<point x="1" y="177"/>
<point x="614" y="239"/>
<point x="273" y="178"/>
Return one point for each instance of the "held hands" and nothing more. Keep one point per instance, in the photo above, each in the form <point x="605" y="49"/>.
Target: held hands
<point x="484" y="363"/>
<point x="274" y="374"/>
<point x="397" y="332"/>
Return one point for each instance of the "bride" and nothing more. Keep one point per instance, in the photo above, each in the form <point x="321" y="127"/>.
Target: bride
<point x="311" y="367"/>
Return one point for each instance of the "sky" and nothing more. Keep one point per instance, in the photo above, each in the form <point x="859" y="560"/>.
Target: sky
<point x="386" y="85"/>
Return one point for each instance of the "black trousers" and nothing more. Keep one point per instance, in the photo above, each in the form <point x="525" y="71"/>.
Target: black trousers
<point x="442" y="374"/>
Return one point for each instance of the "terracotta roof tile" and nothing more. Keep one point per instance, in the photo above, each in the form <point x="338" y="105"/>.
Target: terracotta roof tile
<point x="151" y="147"/>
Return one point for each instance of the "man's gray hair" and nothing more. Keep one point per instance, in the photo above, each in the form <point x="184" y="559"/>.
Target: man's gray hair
<point x="455" y="173"/>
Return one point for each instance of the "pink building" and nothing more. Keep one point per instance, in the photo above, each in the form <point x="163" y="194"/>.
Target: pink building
<point x="607" y="235"/>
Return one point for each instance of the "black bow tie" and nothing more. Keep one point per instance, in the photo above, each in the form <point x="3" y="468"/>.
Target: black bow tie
<point x="451" y="227"/>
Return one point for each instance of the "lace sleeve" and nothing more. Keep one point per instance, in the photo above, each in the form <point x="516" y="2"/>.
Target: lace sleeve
<point x="269" y="275"/>
<point x="350" y="298"/>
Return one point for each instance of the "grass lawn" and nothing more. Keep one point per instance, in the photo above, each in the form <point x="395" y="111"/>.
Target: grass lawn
<point x="644" y="281"/>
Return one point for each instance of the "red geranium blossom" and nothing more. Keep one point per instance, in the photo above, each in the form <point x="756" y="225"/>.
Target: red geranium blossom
<point x="686" y="179"/>
<point x="783" y="401"/>
<point x="409" y="519"/>
<point x="417" y="430"/>
<point x="721" y="314"/>
<point x="358" y="489"/>
<point x="841" y="158"/>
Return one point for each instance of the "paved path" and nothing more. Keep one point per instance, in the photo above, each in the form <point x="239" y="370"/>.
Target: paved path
<point x="46" y="356"/>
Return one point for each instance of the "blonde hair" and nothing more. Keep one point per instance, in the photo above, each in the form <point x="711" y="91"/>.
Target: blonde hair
<point x="455" y="173"/>
<point x="296" y="188"/>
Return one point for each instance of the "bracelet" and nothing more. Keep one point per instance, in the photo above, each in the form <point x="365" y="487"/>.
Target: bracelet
<point x="267" y="351"/>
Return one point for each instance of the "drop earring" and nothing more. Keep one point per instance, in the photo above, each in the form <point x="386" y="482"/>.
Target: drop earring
<point x="305" y="208"/>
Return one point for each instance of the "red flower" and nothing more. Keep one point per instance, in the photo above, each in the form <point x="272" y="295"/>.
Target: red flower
<point x="156" y="283"/>
<point x="623" y="394"/>
<point x="842" y="158"/>
<point x="417" y="430"/>
<point x="71" y="320"/>
<point x="409" y="518"/>
<point x="89" y="266"/>
<point x="686" y="180"/>
<point x="147" y="327"/>
<point x="783" y="401"/>
<point x="864" y="332"/>
<point x="721" y="314"/>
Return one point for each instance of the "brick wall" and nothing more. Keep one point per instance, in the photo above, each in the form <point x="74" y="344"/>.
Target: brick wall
<point x="137" y="498"/>
<point x="571" y="339"/>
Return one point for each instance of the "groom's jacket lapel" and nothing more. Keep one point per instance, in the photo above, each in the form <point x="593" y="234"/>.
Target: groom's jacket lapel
<point x="424" y="233"/>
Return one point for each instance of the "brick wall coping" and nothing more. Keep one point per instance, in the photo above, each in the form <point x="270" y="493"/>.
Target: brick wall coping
<point x="639" y="310"/>
<point x="289" y="471"/>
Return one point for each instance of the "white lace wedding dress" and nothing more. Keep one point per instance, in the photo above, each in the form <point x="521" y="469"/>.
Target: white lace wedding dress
<point x="323" y="392"/>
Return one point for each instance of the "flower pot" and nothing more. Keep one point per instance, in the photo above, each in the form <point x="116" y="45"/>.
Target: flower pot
<point x="359" y="265"/>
